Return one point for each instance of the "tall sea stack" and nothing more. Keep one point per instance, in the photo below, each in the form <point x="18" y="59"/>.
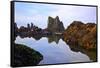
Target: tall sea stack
<point x="55" y="25"/>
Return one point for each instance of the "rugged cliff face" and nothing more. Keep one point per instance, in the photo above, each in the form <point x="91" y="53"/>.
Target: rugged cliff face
<point x="81" y="34"/>
<point x="82" y="38"/>
<point x="55" y="25"/>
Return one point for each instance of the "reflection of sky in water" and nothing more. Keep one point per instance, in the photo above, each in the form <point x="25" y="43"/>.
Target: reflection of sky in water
<point x="53" y="53"/>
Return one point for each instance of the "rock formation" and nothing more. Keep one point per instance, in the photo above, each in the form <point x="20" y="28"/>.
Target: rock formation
<point x="25" y="56"/>
<point x="82" y="38"/>
<point x="55" y="25"/>
<point x="81" y="34"/>
<point x="32" y="25"/>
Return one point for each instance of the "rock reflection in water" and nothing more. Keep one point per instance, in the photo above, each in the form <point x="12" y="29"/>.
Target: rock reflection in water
<point x="53" y="53"/>
<point x="55" y="38"/>
<point x="90" y="53"/>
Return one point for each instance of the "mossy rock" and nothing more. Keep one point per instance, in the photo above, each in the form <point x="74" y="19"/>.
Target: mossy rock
<point x="82" y="38"/>
<point x="25" y="56"/>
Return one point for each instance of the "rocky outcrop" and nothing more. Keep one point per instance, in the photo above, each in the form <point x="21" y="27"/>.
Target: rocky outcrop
<point x="81" y="34"/>
<point x="25" y="56"/>
<point x="82" y="38"/>
<point x="55" y="25"/>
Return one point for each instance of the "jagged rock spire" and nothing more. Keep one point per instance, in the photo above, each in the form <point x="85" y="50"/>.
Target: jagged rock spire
<point x="55" y="25"/>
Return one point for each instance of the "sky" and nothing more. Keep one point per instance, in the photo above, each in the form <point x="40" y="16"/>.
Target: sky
<point x="38" y="13"/>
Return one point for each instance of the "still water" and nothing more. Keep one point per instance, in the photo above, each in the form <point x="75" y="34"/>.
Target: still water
<point x="53" y="50"/>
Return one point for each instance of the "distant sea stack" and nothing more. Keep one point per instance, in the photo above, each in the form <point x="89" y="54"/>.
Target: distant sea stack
<point x="55" y="25"/>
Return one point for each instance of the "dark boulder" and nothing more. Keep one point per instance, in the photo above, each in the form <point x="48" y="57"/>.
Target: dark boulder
<point x="25" y="56"/>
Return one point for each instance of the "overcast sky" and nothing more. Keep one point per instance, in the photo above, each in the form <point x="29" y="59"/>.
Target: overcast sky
<point x="38" y="13"/>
